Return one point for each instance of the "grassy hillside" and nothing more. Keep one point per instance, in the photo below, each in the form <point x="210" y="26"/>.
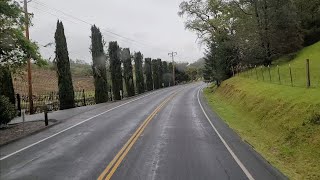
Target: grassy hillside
<point x="298" y="67"/>
<point x="281" y="122"/>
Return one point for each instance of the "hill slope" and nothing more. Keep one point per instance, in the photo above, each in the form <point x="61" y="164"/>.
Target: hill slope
<point x="298" y="66"/>
<point x="281" y="122"/>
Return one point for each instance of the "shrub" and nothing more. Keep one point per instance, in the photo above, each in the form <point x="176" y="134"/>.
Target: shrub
<point x="7" y="110"/>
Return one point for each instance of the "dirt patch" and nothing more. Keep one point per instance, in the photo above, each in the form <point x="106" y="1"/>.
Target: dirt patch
<point x="16" y="131"/>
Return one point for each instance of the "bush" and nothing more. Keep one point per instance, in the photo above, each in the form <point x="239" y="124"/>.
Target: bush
<point x="7" y="110"/>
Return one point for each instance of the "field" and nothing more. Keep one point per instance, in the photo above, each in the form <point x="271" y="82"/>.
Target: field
<point x="45" y="81"/>
<point x="45" y="88"/>
<point x="280" y="121"/>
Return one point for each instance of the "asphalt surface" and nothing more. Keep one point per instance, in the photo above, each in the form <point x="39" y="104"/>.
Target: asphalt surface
<point x="164" y="134"/>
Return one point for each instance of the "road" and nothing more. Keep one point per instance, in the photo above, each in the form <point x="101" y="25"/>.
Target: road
<point x="167" y="134"/>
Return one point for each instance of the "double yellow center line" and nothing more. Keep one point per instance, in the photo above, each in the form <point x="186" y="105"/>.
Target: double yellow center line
<point x="114" y="164"/>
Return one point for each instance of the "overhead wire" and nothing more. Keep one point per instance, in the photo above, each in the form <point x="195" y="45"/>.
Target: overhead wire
<point x="104" y="30"/>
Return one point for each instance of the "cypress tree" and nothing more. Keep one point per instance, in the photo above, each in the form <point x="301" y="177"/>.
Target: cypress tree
<point x="166" y="75"/>
<point x="127" y="71"/>
<point x="155" y="74"/>
<point x="170" y="67"/>
<point x="6" y="84"/>
<point x="115" y="69"/>
<point x="99" y="66"/>
<point x="148" y="73"/>
<point x="139" y="72"/>
<point x="160" y="74"/>
<point x="66" y="93"/>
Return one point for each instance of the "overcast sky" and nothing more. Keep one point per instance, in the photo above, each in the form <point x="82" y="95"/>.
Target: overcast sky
<point x="153" y="25"/>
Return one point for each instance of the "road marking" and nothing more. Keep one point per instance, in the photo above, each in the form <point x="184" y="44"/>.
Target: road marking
<point x="49" y="137"/>
<point x="244" y="169"/>
<point x="114" y="164"/>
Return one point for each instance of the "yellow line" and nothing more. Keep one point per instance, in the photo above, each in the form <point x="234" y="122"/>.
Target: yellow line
<point x="130" y="143"/>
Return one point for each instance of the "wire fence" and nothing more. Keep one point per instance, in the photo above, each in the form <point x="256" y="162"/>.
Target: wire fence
<point x="296" y="75"/>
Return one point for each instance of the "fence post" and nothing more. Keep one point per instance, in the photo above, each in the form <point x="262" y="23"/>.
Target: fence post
<point x="269" y="73"/>
<point x="84" y="97"/>
<point x="290" y="75"/>
<point x="279" y="74"/>
<point x="23" y="119"/>
<point x="110" y="93"/>
<point x="308" y="73"/>
<point x="19" y="104"/>
<point x="255" y="67"/>
<point x="46" y="115"/>
<point x="262" y="73"/>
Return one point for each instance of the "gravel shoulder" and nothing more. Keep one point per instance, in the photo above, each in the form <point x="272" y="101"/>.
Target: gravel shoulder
<point x="16" y="131"/>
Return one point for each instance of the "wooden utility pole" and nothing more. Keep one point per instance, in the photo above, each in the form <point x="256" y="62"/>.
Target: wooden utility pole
<point x="29" y="60"/>
<point x="172" y="54"/>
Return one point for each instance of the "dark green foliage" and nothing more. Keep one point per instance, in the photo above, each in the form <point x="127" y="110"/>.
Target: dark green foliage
<point x="6" y="85"/>
<point x="148" y="73"/>
<point x="139" y="72"/>
<point x="66" y="93"/>
<point x="166" y="75"/>
<point x="309" y="16"/>
<point x="217" y="65"/>
<point x="127" y="71"/>
<point x="115" y="69"/>
<point x="99" y="66"/>
<point x="155" y="73"/>
<point x="7" y="110"/>
<point x="160" y="73"/>
<point x="243" y="33"/>
<point x="170" y="68"/>
<point x="15" y="48"/>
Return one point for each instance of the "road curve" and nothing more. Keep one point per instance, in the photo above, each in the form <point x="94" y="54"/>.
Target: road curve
<point x="164" y="134"/>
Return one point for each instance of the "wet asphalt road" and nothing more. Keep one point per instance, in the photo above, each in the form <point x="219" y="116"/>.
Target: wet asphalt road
<point x="178" y="142"/>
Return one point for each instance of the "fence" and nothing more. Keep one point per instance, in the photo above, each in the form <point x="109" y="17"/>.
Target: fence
<point x="290" y="75"/>
<point x="51" y="101"/>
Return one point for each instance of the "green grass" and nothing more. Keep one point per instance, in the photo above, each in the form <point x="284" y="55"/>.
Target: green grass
<point x="298" y="68"/>
<point x="276" y="120"/>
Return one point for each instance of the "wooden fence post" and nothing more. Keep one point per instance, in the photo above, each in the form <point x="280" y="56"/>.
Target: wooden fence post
<point x="19" y="104"/>
<point x="46" y="115"/>
<point x="279" y="77"/>
<point x="290" y="75"/>
<point x="308" y="73"/>
<point x="255" y="67"/>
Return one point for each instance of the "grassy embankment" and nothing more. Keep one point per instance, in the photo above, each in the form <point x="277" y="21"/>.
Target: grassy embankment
<point x="281" y="122"/>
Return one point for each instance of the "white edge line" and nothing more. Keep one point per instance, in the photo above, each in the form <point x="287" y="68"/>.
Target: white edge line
<point x="53" y="135"/>
<point x="244" y="169"/>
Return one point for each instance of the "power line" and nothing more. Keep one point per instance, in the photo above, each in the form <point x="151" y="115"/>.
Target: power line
<point x="106" y="31"/>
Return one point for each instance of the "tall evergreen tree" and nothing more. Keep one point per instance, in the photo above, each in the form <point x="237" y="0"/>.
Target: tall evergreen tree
<point x="139" y="72"/>
<point x="155" y="74"/>
<point x="166" y="75"/>
<point x="99" y="66"/>
<point x="115" y="69"/>
<point x="170" y="67"/>
<point x="66" y="93"/>
<point x="148" y="73"/>
<point x="127" y="71"/>
<point x="160" y="74"/>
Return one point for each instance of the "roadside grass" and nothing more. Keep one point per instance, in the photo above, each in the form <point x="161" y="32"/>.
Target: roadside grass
<point x="298" y="68"/>
<point x="281" y="122"/>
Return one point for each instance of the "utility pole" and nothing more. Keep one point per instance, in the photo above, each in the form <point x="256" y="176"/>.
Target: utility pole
<point x="29" y="60"/>
<point x="172" y="54"/>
